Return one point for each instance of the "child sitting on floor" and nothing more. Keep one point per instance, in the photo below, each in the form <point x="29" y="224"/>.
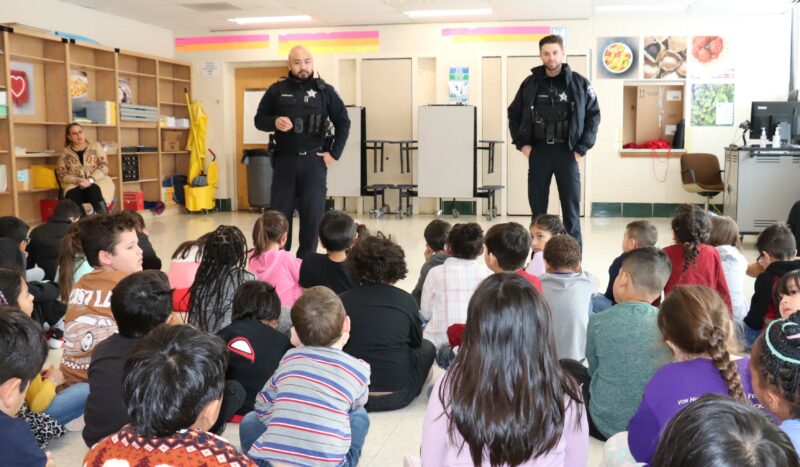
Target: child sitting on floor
<point x="337" y="233"/>
<point x="543" y="227"/>
<point x="270" y="262"/>
<point x="435" y="254"/>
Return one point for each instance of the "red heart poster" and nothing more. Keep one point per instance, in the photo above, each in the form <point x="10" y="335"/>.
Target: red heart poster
<point x="19" y="87"/>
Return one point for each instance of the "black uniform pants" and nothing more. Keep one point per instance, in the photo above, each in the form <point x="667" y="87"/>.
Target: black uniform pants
<point x="301" y="178"/>
<point x="555" y="159"/>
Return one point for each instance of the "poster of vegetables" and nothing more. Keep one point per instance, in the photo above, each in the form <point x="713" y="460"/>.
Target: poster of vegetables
<point x="712" y="104"/>
<point x="710" y="58"/>
<point x="664" y="57"/>
<point x="618" y="57"/>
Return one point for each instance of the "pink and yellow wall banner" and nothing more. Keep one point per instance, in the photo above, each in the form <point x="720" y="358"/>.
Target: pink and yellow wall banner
<point x="209" y="43"/>
<point x="341" y="42"/>
<point x="498" y="34"/>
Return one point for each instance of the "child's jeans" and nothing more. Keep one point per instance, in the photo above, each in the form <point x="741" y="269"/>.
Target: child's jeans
<point x="69" y="403"/>
<point x="251" y="429"/>
<point x="600" y="303"/>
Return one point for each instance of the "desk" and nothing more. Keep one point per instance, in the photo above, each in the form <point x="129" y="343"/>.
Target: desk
<point x="378" y="147"/>
<point x="761" y="185"/>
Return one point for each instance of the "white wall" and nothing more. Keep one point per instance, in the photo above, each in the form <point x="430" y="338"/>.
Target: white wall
<point x="762" y="73"/>
<point x="109" y="30"/>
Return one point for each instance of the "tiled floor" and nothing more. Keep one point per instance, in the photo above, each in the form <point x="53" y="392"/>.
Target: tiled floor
<point x="392" y="435"/>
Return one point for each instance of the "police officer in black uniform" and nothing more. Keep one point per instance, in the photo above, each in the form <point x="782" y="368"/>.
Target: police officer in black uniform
<point x="299" y="109"/>
<point x="553" y="120"/>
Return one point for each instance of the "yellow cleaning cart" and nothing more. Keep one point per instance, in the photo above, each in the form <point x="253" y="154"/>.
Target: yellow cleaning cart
<point x="201" y="190"/>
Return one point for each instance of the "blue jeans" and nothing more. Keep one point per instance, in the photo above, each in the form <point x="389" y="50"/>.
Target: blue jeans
<point x="251" y="429"/>
<point x="69" y="403"/>
<point x="600" y="303"/>
<point x="750" y="335"/>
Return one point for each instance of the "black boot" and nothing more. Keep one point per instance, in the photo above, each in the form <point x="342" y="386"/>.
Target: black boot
<point x="100" y="208"/>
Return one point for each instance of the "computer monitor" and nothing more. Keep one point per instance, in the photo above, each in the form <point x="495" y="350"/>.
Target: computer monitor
<point x="770" y="115"/>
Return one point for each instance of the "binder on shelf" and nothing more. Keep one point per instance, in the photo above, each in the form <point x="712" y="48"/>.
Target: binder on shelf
<point x="102" y="112"/>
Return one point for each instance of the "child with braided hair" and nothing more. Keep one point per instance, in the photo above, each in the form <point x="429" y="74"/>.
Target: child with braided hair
<point x="696" y="326"/>
<point x="694" y="262"/>
<point x="775" y="365"/>
<point x="221" y="272"/>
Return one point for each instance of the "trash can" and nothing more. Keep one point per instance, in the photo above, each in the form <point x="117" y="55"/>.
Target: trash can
<point x="259" y="177"/>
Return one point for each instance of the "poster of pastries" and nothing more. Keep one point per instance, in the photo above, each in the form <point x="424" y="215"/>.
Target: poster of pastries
<point x="664" y="57"/>
<point x="710" y="58"/>
<point x="617" y="57"/>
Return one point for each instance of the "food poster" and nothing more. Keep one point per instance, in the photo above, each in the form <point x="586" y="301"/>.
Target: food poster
<point x="617" y="57"/>
<point x="124" y="91"/>
<point x="711" y="58"/>
<point x="664" y="57"/>
<point x="78" y="91"/>
<point x="21" y="82"/>
<point x="712" y="104"/>
<point x="458" y="85"/>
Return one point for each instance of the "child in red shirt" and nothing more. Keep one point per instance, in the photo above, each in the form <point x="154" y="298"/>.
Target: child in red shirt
<point x="694" y="262"/>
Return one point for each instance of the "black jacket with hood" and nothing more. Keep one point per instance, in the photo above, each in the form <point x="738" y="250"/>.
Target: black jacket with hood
<point x="584" y="121"/>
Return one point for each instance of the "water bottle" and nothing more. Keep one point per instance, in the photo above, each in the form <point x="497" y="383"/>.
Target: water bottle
<point x="776" y="138"/>
<point x="763" y="141"/>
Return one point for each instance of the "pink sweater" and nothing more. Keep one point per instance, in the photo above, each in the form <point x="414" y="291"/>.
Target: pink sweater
<point x="281" y="269"/>
<point x="437" y="449"/>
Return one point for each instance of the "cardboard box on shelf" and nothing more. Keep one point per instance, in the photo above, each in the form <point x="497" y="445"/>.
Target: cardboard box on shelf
<point x="171" y="141"/>
<point x="651" y="112"/>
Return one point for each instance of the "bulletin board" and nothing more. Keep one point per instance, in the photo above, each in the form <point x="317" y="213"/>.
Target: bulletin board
<point x="347" y="176"/>
<point x="447" y="138"/>
<point x="250" y="134"/>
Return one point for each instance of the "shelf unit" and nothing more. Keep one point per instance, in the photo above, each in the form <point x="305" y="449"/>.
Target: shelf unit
<point x="54" y="68"/>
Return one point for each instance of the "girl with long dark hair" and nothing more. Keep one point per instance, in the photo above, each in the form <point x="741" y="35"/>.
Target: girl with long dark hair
<point x="506" y="400"/>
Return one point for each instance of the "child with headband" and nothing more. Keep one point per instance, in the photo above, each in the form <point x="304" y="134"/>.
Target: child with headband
<point x="775" y="368"/>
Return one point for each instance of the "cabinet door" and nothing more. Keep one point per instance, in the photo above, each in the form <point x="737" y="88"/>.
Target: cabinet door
<point x="518" y="68"/>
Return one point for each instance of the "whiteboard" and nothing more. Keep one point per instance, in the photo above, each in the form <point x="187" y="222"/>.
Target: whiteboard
<point x="250" y="134"/>
<point x="447" y="139"/>
<point x="345" y="175"/>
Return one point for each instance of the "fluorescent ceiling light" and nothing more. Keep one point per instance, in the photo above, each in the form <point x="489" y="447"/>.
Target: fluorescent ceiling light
<point x="442" y="13"/>
<point x="270" y="19"/>
<point x="634" y="8"/>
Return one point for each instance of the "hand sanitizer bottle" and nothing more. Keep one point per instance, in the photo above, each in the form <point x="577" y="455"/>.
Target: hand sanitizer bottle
<point x="763" y="141"/>
<point x="776" y="138"/>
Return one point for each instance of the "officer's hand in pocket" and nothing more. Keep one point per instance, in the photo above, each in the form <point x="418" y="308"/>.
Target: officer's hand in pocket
<point x="577" y="156"/>
<point x="327" y="158"/>
<point x="526" y="151"/>
<point x="283" y="123"/>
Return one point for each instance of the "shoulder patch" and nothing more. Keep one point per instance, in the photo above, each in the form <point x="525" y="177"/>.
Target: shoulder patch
<point x="242" y="347"/>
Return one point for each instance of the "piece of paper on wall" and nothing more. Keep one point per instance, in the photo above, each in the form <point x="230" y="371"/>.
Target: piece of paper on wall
<point x="724" y="113"/>
<point x="618" y="57"/>
<point x="674" y="96"/>
<point x="711" y="58"/>
<point x="458" y="85"/>
<point x="22" y="84"/>
<point x="209" y="68"/>
<point x="251" y="134"/>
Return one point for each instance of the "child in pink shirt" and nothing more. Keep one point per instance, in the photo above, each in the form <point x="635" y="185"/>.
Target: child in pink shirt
<point x="269" y="262"/>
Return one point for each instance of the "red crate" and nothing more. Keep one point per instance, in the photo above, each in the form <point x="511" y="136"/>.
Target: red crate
<point x="133" y="201"/>
<point x="47" y="207"/>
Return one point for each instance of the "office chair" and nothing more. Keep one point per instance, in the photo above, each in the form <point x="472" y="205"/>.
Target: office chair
<point x="700" y="173"/>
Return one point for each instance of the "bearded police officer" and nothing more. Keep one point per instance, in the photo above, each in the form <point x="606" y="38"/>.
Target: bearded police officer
<point x="553" y="120"/>
<point x="299" y="109"/>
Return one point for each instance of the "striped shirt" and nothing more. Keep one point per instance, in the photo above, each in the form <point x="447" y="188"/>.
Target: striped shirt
<point x="446" y="294"/>
<point x="306" y="405"/>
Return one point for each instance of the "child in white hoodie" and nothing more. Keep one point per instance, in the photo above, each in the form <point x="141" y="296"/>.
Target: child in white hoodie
<point x="725" y="239"/>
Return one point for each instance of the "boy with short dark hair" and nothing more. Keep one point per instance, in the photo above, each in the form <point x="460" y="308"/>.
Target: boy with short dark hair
<point x="311" y="412"/>
<point x="172" y="390"/>
<point x="638" y="234"/>
<point x="623" y="344"/>
<point x="22" y="354"/>
<point x="139" y="303"/>
<point x="507" y="248"/>
<point x="150" y="259"/>
<point x="17" y="230"/>
<point x="45" y="239"/>
<point x="435" y="254"/>
<point x="449" y="287"/>
<point x="568" y="290"/>
<point x="337" y="232"/>
<point x="777" y="253"/>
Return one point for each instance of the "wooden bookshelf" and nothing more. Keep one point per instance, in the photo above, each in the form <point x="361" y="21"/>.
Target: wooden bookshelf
<point x="63" y="76"/>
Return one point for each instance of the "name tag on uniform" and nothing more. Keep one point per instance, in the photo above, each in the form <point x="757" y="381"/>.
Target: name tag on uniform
<point x="287" y="95"/>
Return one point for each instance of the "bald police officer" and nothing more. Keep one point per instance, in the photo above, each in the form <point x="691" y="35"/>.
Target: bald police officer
<point x="298" y="109"/>
<point x="553" y="120"/>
